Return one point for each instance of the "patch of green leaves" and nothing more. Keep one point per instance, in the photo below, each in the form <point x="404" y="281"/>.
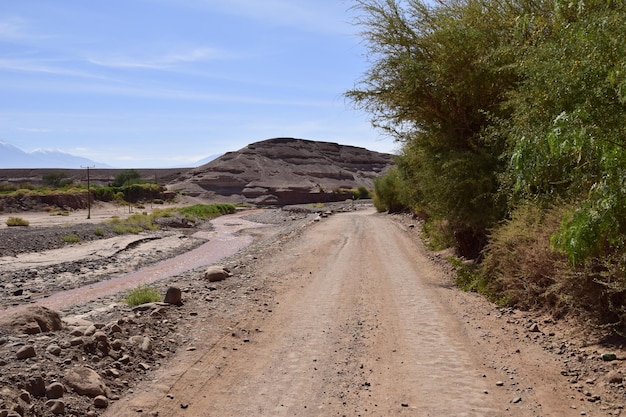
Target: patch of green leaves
<point x="141" y="295"/>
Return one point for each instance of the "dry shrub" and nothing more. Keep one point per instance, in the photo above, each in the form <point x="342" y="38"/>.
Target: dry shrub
<point x="596" y="291"/>
<point x="519" y="263"/>
<point x="521" y="267"/>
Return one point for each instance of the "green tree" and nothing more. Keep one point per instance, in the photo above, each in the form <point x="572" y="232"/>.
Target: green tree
<point x="127" y="177"/>
<point x="567" y="128"/>
<point x="437" y="78"/>
<point x="56" y="179"/>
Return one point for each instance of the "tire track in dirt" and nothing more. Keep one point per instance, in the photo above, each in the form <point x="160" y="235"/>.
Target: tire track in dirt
<point x="359" y="329"/>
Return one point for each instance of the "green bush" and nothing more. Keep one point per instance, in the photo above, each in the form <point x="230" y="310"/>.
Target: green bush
<point x="127" y="177"/>
<point x="207" y="211"/>
<point x="57" y="180"/>
<point x="104" y="193"/>
<point x="390" y="191"/>
<point x="123" y="229"/>
<point x="361" y="193"/>
<point x="73" y="238"/>
<point x="16" y="221"/>
<point x="98" y="231"/>
<point x="141" y="295"/>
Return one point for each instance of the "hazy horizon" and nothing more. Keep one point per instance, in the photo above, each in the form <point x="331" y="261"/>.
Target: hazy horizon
<point x="165" y="83"/>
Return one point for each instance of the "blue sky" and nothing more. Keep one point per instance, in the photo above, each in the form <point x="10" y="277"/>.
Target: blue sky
<point x="157" y="83"/>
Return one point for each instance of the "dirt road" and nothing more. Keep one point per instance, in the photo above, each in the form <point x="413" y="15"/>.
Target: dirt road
<point x="363" y="325"/>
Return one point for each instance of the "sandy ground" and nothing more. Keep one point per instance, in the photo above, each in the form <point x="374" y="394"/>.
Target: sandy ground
<point x="346" y="316"/>
<point x="363" y="323"/>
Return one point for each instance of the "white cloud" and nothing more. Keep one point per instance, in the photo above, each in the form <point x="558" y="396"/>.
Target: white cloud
<point x="42" y="66"/>
<point x="162" y="62"/>
<point x="33" y="130"/>
<point x="320" y="16"/>
<point x="12" y="29"/>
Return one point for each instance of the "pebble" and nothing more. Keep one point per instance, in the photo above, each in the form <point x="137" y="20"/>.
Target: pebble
<point x="101" y="401"/>
<point x="26" y="352"/>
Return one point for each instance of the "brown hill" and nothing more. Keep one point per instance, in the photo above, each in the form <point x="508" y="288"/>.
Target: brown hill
<point x="285" y="171"/>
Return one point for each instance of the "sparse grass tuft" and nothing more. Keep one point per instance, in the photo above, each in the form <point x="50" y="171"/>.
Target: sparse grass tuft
<point x="468" y="278"/>
<point x="16" y="221"/>
<point x="73" y="238"/>
<point x="98" y="231"/>
<point x="141" y="295"/>
<point x="124" y="229"/>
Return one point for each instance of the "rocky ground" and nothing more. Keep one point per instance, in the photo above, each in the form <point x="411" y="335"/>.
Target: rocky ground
<point x="75" y="361"/>
<point x="78" y="360"/>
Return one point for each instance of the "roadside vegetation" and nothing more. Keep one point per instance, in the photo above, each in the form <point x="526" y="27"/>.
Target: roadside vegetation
<point x="16" y="221"/>
<point x="511" y="117"/>
<point x="139" y="222"/>
<point x="141" y="295"/>
<point x="126" y="188"/>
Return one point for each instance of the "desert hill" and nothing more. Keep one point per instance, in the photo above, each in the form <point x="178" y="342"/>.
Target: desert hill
<point x="285" y="171"/>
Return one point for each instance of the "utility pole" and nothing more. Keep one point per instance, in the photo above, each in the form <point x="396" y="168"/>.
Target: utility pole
<point x="88" y="191"/>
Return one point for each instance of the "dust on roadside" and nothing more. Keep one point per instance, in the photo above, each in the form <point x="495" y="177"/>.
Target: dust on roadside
<point x="136" y="341"/>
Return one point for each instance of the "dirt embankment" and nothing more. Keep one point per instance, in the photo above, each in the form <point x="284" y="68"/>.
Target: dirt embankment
<point x="347" y="315"/>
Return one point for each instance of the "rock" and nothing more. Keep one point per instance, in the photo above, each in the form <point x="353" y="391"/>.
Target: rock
<point x="26" y="352"/>
<point x="608" y="357"/>
<point x="56" y="406"/>
<point x="146" y="345"/>
<point x="101" y="401"/>
<point x="173" y="296"/>
<point x="534" y="328"/>
<point x="615" y="377"/>
<point x="85" y="381"/>
<point x="216" y="273"/>
<point x="283" y="171"/>
<point x="516" y="400"/>
<point x="55" y="390"/>
<point x="115" y="328"/>
<point x="76" y="322"/>
<point x="54" y="349"/>
<point x="33" y="320"/>
<point x="77" y="341"/>
<point x="25" y="396"/>
<point x="78" y="331"/>
<point x="100" y="336"/>
<point x="90" y="330"/>
<point x="36" y="386"/>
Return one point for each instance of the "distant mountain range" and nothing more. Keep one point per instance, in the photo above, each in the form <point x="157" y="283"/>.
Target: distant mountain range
<point x="13" y="157"/>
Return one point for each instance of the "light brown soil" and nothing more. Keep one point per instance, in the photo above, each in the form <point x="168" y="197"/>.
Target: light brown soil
<point x="346" y="316"/>
<point x="363" y="323"/>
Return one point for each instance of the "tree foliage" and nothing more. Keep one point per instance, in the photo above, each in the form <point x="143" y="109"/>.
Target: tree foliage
<point x="501" y="101"/>
<point x="501" y="106"/>
<point x="125" y="178"/>
<point x="437" y="79"/>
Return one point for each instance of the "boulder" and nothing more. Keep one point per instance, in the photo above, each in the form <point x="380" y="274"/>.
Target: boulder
<point x="216" y="273"/>
<point x="85" y="381"/>
<point x="33" y="320"/>
<point x="173" y="296"/>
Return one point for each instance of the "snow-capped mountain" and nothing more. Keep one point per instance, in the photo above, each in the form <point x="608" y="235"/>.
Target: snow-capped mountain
<point x="13" y="157"/>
